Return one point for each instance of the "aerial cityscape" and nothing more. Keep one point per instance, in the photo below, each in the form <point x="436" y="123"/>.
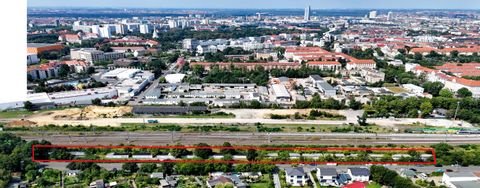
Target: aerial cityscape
<point x="228" y="94"/>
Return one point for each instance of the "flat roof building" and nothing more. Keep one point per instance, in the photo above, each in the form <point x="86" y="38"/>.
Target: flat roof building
<point x="37" y="48"/>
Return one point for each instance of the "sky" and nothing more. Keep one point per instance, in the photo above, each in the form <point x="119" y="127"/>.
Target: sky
<point x="264" y="4"/>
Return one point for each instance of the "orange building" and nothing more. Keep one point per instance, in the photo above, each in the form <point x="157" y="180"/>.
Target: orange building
<point x="36" y="48"/>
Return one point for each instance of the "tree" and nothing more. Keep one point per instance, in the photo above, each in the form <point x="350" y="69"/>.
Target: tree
<point x="63" y="70"/>
<point x="251" y="154"/>
<point x="445" y="93"/>
<point x="354" y="104"/>
<point x="130" y="167"/>
<point x="433" y="88"/>
<point x="198" y="70"/>
<point x="454" y="53"/>
<point x="464" y="92"/>
<point x="362" y="120"/>
<point x="97" y="102"/>
<point x="90" y="70"/>
<point x="148" y="167"/>
<point x="203" y="153"/>
<point x="28" y="106"/>
<point x="177" y="153"/>
<point x="426" y="108"/>
<point x="227" y="151"/>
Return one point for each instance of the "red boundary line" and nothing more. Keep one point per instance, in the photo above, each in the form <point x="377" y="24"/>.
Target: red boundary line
<point x="233" y="161"/>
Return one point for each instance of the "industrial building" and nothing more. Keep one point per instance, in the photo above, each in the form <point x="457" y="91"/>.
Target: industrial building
<point x="281" y="93"/>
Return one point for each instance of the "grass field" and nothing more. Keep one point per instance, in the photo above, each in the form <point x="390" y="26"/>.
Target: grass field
<point x="15" y="114"/>
<point x="265" y="181"/>
<point x="396" y="89"/>
<point x="374" y="185"/>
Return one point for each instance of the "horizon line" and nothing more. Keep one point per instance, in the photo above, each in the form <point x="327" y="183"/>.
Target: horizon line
<point x="232" y="8"/>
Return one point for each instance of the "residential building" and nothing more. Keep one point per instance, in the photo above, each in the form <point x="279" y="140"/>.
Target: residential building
<point x="325" y="65"/>
<point x="71" y="38"/>
<point x="359" y="174"/>
<point x="32" y="58"/>
<point x="190" y="44"/>
<point x="413" y="89"/>
<point x="327" y="176"/>
<point x="146" y="28"/>
<point x="296" y="176"/>
<point x="249" y="66"/>
<point x="372" y="75"/>
<point x="43" y="71"/>
<point x="93" y="55"/>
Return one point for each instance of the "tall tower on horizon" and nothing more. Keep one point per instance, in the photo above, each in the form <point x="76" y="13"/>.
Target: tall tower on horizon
<point x="306" y="15"/>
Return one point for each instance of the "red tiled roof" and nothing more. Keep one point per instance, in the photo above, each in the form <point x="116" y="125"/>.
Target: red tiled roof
<point x="323" y="63"/>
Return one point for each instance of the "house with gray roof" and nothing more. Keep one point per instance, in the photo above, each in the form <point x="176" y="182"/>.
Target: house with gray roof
<point x="359" y="174"/>
<point x="296" y="176"/>
<point x="327" y="176"/>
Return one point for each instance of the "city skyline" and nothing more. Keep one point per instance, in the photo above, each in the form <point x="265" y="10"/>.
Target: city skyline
<point x="264" y="4"/>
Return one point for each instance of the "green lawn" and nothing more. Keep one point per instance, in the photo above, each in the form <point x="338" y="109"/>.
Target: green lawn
<point x="265" y="181"/>
<point x="15" y="114"/>
<point x="374" y="185"/>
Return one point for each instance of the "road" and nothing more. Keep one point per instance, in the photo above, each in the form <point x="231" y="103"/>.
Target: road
<point x="276" y="180"/>
<point x="241" y="138"/>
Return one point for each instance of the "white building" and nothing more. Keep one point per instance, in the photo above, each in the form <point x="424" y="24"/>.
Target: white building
<point x="372" y="14"/>
<point x="142" y="156"/>
<point x="82" y="96"/>
<point x="92" y="55"/>
<point x="417" y="90"/>
<point x="306" y="16"/>
<point x="131" y="81"/>
<point x="359" y="174"/>
<point x="146" y="28"/>
<point x="281" y="93"/>
<point x="327" y="176"/>
<point x="460" y="179"/>
<point x="174" y="78"/>
<point x="116" y="156"/>
<point x="296" y="176"/>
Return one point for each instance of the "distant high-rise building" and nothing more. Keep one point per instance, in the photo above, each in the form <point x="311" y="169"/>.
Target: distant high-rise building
<point x="390" y="16"/>
<point x="146" y="28"/>
<point x="120" y="29"/>
<point x="372" y="14"/>
<point x="172" y="24"/>
<point x="105" y="31"/>
<point x="306" y="15"/>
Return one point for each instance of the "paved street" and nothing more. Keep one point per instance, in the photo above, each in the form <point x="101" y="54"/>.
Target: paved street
<point x="276" y="180"/>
